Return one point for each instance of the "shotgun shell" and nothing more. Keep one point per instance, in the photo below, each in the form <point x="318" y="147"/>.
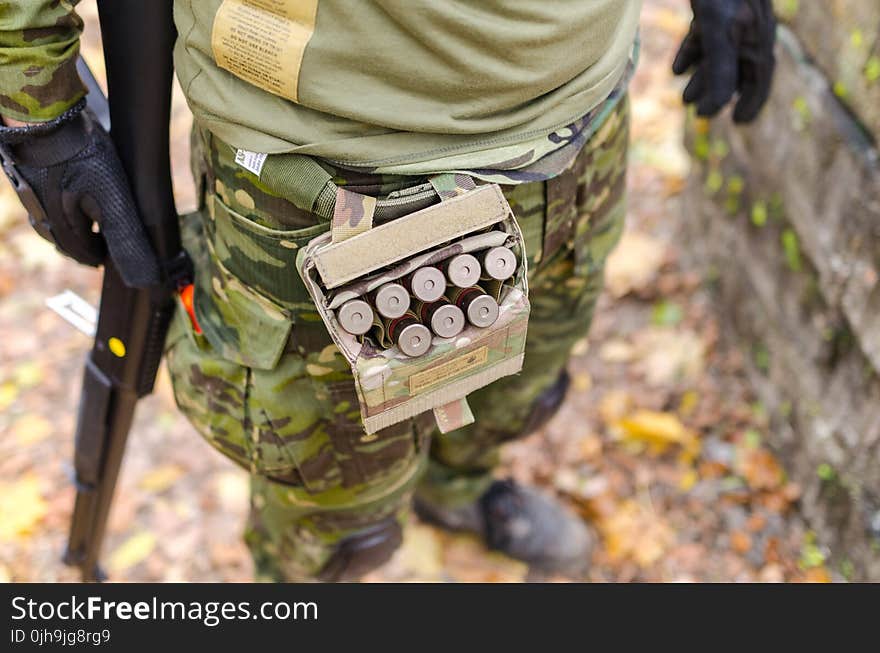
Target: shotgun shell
<point x="499" y="263"/>
<point x="462" y="270"/>
<point x="411" y="336"/>
<point x="391" y="300"/>
<point x="481" y="310"/>
<point x="355" y="316"/>
<point x="445" y="319"/>
<point x="426" y="284"/>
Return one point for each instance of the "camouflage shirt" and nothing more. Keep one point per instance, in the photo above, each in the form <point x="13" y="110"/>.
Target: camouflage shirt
<point x="39" y="43"/>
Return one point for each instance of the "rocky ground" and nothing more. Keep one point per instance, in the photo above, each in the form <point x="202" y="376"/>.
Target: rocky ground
<point x="660" y="446"/>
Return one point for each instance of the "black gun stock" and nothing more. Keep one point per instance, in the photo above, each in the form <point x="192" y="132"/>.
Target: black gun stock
<point x="132" y="323"/>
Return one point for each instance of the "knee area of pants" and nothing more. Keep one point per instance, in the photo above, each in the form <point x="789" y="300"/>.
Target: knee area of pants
<point x="360" y="553"/>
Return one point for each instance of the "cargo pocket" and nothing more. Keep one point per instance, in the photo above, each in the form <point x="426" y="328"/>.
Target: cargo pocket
<point x="242" y="325"/>
<point x="268" y="421"/>
<point x="210" y="390"/>
<point x="236" y="383"/>
<point x="263" y="259"/>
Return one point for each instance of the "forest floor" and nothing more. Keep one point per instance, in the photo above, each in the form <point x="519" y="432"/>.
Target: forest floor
<point x="660" y="446"/>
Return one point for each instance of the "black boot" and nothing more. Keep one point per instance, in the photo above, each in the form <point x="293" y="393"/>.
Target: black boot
<point x="522" y="523"/>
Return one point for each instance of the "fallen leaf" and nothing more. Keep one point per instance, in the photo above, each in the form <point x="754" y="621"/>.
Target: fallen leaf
<point x="580" y="486"/>
<point x="668" y="356"/>
<point x="740" y="542"/>
<point x="614" y="405"/>
<point x="688" y="480"/>
<point x="688" y="404"/>
<point x="760" y="469"/>
<point x="636" y="534"/>
<point x="817" y="575"/>
<point x="22" y="507"/>
<point x="658" y="430"/>
<point x="634" y="264"/>
<point x="581" y="382"/>
<point x="591" y="447"/>
<point x="133" y="551"/>
<point x="756" y="523"/>
<point x="616" y="351"/>
<point x="29" y="429"/>
<point x="467" y="561"/>
<point x="8" y="394"/>
<point x="420" y="557"/>
<point x="29" y="374"/>
<point x="772" y="573"/>
<point x="232" y="490"/>
<point x="160" y="478"/>
<point x="581" y="347"/>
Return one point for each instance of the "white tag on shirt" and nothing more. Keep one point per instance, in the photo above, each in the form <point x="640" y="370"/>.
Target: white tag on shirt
<point x="251" y="161"/>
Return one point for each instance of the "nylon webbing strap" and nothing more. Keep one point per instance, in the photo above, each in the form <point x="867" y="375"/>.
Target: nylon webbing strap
<point x="452" y="184"/>
<point x="352" y="215"/>
<point x="302" y="181"/>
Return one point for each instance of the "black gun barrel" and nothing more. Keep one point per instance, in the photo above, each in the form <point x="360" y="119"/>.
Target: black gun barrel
<point x="132" y="323"/>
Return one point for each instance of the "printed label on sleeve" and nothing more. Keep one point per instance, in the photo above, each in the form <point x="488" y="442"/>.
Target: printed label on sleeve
<point x="262" y="41"/>
<point x="445" y="371"/>
<point x="251" y="161"/>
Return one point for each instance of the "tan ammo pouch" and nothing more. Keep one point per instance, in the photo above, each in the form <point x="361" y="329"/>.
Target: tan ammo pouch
<point x="357" y="257"/>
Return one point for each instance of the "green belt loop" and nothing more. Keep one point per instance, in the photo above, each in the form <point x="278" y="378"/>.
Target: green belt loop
<point x="301" y="180"/>
<point x="451" y="184"/>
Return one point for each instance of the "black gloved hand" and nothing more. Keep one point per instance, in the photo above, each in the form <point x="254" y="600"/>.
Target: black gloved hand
<point x="731" y="44"/>
<point x="76" y="180"/>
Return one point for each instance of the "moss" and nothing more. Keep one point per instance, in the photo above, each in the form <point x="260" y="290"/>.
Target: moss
<point x="759" y="213"/>
<point x="714" y="182"/>
<point x="857" y="38"/>
<point x="787" y="9"/>
<point x="803" y="116"/>
<point x="811" y="555"/>
<point x="847" y="569"/>
<point x="701" y="147"/>
<point x="785" y="409"/>
<point x="872" y="70"/>
<point x="776" y="207"/>
<point x="761" y="356"/>
<point x="792" y="250"/>
<point x="666" y="313"/>
<point x="826" y="472"/>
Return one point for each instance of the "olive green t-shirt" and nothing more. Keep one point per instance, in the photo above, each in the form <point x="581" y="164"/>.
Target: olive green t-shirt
<point x="388" y="83"/>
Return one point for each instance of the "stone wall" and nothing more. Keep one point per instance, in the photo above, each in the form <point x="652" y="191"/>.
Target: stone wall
<point x="785" y="217"/>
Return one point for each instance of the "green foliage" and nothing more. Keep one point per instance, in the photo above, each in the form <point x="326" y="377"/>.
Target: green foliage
<point x="803" y="116"/>
<point x="826" y="472"/>
<point x="872" y="69"/>
<point x="752" y="439"/>
<point x="847" y="569"/>
<point x="811" y="555"/>
<point x="666" y="313"/>
<point x="792" y="249"/>
<point x="714" y="182"/>
<point x="759" y="213"/>
<point x="761" y="357"/>
<point x="787" y="9"/>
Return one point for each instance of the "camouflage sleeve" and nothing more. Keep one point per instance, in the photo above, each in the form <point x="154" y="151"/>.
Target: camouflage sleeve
<point x="39" y="43"/>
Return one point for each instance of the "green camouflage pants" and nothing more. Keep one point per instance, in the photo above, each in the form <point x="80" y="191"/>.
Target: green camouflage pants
<point x="264" y="384"/>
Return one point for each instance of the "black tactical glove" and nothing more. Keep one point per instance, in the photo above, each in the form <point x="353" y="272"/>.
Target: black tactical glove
<point x="731" y="44"/>
<point x="69" y="178"/>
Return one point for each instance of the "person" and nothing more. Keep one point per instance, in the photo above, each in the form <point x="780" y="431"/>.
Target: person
<point x="382" y="95"/>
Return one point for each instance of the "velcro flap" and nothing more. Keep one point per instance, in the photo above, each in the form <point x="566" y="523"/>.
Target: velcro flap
<point x="454" y="415"/>
<point x="341" y="262"/>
